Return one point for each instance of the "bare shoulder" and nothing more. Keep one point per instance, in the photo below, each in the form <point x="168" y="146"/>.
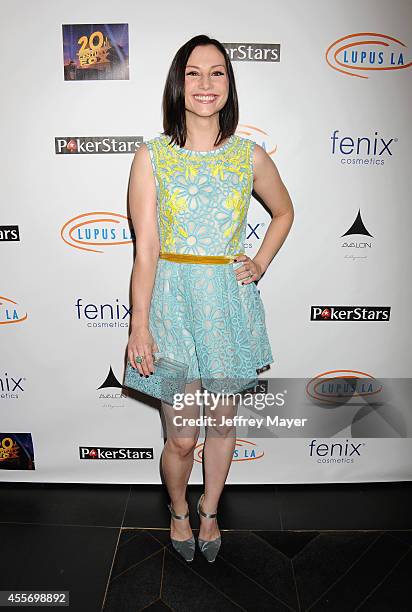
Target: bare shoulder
<point x="142" y="156"/>
<point x="262" y="162"/>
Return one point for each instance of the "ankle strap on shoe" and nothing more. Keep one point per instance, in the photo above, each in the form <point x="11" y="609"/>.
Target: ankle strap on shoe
<point x="178" y="516"/>
<point x="206" y="514"/>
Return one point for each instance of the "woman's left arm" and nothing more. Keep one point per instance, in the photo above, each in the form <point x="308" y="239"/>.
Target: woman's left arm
<point x="269" y="186"/>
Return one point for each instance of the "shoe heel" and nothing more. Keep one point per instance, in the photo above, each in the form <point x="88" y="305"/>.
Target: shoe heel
<point x="185" y="548"/>
<point x="209" y="548"/>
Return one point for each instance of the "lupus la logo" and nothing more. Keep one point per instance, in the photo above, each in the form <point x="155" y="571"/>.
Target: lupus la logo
<point x="341" y="387"/>
<point x="97" y="231"/>
<point x="10" y="311"/>
<point x="244" y="450"/>
<point x="367" y="52"/>
<point x="335" y="452"/>
<point x="261" y="137"/>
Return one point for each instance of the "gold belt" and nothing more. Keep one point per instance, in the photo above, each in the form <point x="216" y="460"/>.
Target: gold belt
<point x="202" y="259"/>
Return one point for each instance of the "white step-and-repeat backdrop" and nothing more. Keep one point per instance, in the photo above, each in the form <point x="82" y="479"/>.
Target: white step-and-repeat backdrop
<point x="325" y="88"/>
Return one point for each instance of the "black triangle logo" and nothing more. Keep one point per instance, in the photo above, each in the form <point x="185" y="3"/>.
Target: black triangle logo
<point x="357" y="227"/>
<point x="111" y="381"/>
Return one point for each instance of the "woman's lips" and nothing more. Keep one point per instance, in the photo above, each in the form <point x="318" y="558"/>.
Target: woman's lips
<point x="210" y="101"/>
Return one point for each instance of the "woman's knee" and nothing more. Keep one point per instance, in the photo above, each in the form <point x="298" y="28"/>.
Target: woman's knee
<point x="182" y="446"/>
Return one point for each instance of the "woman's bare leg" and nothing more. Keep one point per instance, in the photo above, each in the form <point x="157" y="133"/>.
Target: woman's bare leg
<point x="217" y="457"/>
<point x="177" y="460"/>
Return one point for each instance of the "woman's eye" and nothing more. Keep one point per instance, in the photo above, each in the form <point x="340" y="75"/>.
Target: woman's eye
<point x="194" y="72"/>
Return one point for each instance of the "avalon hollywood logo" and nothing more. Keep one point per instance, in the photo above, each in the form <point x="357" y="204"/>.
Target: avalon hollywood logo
<point x="366" y="53"/>
<point x="97" y="232"/>
<point x="11" y="311"/>
<point x="357" y="248"/>
<point x="111" y="391"/>
<point x="92" y="145"/>
<point x="244" y="450"/>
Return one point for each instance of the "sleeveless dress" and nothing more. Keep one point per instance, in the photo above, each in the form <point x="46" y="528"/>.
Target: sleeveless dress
<point x="199" y="313"/>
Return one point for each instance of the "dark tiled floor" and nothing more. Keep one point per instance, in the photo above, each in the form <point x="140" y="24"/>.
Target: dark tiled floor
<point x="288" y="547"/>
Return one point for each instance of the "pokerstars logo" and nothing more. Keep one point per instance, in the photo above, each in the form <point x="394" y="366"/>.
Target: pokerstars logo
<point x="11" y="311"/>
<point x="336" y="452"/>
<point x="97" y="232"/>
<point x="98" y="453"/>
<point x="253" y="52"/>
<point x="91" y="145"/>
<point x="9" y="233"/>
<point x="244" y="450"/>
<point x="366" y="53"/>
<point x="350" y="313"/>
<point x="364" y="150"/>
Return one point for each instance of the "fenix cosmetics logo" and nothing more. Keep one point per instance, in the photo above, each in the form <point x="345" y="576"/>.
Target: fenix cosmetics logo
<point x="11" y="311"/>
<point x="350" y="313"/>
<point x="9" y="233"/>
<point x="367" y="53"/>
<point x="97" y="232"/>
<point x="253" y="52"/>
<point x="11" y="386"/>
<point x="244" y="450"/>
<point x="90" y="145"/>
<point x="335" y="452"/>
<point x="103" y="315"/>
<point x="97" y="453"/>
<point x="365" y="150"/>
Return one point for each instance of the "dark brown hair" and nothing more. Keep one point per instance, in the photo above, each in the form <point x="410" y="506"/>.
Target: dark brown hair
<point x="174" y="114"/>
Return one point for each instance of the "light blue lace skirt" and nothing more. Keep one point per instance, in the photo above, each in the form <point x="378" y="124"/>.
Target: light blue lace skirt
<point x="201" y="315"/>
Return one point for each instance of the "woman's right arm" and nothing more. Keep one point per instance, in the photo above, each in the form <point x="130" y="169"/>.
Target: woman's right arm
<point x="143" y="203"/>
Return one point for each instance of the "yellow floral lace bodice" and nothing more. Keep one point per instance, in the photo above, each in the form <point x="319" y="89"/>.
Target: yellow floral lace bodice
<point x="202" y="196"/>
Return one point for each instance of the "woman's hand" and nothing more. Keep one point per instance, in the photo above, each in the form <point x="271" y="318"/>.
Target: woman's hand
<point x="250" y="271"/>
<point x="141" y="342"/>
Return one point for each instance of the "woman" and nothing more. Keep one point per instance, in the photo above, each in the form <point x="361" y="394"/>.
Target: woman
<point x="193" y="292"/>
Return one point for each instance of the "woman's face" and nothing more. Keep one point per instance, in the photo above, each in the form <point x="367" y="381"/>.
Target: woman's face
<point x="205" y="74"/>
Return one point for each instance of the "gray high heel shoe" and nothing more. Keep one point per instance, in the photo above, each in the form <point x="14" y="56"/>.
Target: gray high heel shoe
<point x="186" y="548"/>
<point x="209" y="548"/>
